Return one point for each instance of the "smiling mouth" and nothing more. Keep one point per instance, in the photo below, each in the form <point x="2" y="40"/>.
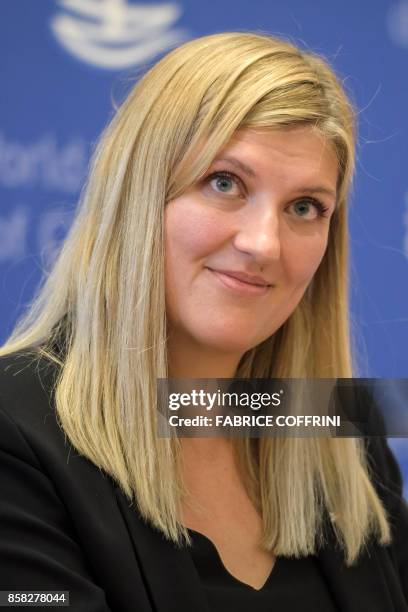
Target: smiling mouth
<point x="239" y="286"/>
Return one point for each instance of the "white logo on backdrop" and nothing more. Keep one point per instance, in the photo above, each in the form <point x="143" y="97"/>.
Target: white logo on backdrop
<point x="53" y="227"/>
<point x="115" y="34"/>
<point x="43" y="164"/>
<point x="48" y="233"/>
<point x="398" y="23"/>
<point x="13" y="232"/>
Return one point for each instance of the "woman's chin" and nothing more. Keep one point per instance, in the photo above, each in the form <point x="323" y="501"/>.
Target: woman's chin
<point x="235" y="342"/>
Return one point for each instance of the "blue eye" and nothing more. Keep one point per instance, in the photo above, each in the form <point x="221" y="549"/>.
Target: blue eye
<point x="303" y="207"/>
<point x="224" y="182"/>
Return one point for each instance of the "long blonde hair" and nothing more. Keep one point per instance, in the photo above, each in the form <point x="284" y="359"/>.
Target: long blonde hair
<point x="104" y="295"/>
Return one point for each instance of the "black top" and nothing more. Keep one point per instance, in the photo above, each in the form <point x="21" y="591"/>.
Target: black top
<point x="293" y="584"/>
<point x="65" y="525"/>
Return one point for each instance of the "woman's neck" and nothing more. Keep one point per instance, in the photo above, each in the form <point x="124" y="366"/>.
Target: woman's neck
<point x="192" y="361"/>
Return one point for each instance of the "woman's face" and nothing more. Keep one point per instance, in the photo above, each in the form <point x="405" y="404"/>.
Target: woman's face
<point x="262" y="214"/>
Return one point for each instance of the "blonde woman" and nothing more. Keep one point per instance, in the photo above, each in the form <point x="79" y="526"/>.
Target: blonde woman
<point x="210" y="241"/>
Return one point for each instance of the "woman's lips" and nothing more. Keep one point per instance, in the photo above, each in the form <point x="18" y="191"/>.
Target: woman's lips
<point x="239" y="286"/>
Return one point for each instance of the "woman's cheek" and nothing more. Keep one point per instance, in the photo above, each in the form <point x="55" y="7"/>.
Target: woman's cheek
<point x="306" y="259"/>
<point x="192" y="230"/>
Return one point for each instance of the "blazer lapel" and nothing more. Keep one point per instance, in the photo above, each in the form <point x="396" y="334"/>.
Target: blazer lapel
<point x="361" y="587"/>
<point x="169" y="573"/>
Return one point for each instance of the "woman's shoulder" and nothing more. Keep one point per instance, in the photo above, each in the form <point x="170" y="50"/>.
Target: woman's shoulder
<point x="31" y="433"/>
<point x="386" y="476"/>
<point x="28" y="422"/>
<point x="357" y="403"/>
<point x="387" y="479"/>
<point x="384" y="469"/>
<point x="27" y="382"/>
<point x="26" y="365"/>
<point x="59" y="512"/>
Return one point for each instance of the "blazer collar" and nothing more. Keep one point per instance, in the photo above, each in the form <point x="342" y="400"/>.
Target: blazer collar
<point x="371" y="584"/>
<point x="173" y="583"/>
<point x="168" y="571"/>
<point x="362" y="587"/>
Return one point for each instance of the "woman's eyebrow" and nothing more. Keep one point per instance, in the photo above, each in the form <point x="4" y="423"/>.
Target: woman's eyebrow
<point x="318" y="189"/>
<point x="250" y="172"/>
<point x="239" y="164"/>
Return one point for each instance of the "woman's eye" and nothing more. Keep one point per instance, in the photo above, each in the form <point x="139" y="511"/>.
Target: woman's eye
<point x="224" y="182"/>
<point x="310" y="209"/>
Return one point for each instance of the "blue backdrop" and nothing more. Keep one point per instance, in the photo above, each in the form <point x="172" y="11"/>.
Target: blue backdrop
<point x="64" y="61"/>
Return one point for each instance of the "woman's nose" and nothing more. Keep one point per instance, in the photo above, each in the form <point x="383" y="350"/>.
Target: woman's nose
<point x="260" y="237"/>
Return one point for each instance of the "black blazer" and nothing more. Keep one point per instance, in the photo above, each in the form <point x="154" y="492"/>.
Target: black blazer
<point x="65" y="525"/>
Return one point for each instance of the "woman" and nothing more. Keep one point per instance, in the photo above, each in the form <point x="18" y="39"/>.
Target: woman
<point x="211" y="241"/>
